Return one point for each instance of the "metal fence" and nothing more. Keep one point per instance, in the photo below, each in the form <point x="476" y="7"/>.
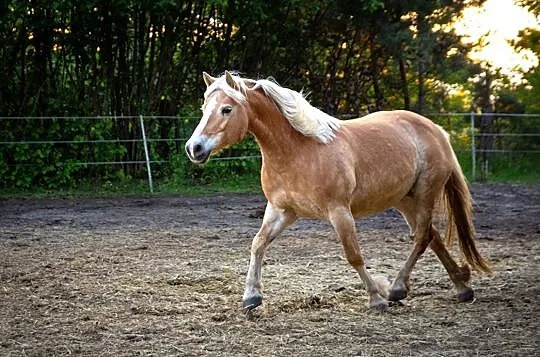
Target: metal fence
<point x="477" y="138"/>
<point x="502" y="138"/>
<point x="140" y="138"/>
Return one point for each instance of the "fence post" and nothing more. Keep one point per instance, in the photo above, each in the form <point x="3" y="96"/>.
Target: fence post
<point x="473" y="149"/>
<point x="146" y="155"/>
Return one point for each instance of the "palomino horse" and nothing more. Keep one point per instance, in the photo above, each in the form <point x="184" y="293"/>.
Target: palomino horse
<point x="316" y="166"/>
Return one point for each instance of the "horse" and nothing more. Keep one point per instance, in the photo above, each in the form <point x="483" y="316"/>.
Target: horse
<point x="317" y="166"/>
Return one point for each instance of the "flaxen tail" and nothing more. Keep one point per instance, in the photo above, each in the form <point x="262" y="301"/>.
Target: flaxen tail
<point x="459" y="210"/>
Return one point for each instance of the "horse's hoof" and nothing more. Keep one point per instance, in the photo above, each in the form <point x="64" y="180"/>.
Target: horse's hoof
<point x="252" y="302"/>
<point x="379" y="304"/>
<point x="466" y="295"/>
<point x="397" y="294"/>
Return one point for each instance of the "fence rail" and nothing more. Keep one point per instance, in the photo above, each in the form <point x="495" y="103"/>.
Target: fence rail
<point x="484" y="131"/>
<point x="481" y="139"/>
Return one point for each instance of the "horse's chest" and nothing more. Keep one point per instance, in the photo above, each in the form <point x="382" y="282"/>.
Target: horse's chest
<point x="306" y="207"/>
<point x="306" y="200"/>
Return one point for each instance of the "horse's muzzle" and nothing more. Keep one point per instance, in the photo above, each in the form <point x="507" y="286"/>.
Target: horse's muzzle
<point x="198" y="150"/>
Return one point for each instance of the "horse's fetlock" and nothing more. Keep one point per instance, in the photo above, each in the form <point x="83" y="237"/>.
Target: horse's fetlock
<point x="465" y="273"/>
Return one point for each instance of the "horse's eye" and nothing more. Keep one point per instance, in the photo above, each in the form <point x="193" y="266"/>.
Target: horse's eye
<point x="226" y="110"/>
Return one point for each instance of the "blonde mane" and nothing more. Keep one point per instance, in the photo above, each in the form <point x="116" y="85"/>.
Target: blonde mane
<point x="302" y="116"/>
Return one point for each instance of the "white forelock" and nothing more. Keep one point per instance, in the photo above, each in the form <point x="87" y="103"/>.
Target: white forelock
<point x="221" y="83"/>
<point x="302" y="116"/>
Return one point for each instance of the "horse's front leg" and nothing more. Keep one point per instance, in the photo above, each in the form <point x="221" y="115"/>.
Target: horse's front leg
<point x="274" y="222"/>
<point x="343" y="223"/>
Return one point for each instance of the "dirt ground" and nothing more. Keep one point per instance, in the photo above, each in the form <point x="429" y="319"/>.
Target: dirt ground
<point x="164" y="275"/>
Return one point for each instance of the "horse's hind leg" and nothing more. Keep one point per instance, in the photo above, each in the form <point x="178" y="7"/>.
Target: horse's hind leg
<point x="407" y="209"/>
<point x="419" y="219"/>
<point x="460" y="276"/>
<point x="274" y="222"/>
<point x="343" y="223"/>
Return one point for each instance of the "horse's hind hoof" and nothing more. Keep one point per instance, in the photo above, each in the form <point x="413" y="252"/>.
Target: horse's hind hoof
<point x="252" y="302"/>
<point x="397" y="294"/>
<point x="466" y="295"/>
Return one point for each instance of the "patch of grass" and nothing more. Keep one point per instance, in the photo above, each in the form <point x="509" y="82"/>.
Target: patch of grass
<point x="239" y="177"/>
<point x="513" y="177"/>
<point x="234" y="184"/>
<point x="513" y="169"/>
<point x="504" y="168"/>
<point x="84" y="189"/>
<point x="138" y="187"/>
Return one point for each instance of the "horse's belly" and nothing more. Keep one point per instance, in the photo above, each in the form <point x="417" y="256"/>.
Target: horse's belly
<point x="381" y="195"/>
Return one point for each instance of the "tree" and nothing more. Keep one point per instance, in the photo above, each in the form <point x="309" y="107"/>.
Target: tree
<point x="126" y="57"/>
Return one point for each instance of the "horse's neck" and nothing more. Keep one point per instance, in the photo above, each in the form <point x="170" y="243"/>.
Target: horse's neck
<point x="275" y="135"/>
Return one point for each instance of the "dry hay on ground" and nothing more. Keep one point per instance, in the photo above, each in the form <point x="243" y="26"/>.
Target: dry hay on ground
<point x="164" y="276"/>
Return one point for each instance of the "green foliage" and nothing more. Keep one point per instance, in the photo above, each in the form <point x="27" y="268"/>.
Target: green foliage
<point x="532" y="6"/>
<point x="514" y="167"/>
<point x="42" y="163"/>
<point x="528" y="92"/>
<point x="127" y="58"/>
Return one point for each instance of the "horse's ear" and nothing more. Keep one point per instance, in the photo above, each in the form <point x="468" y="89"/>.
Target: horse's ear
<point x="250" y="83"/>
<point x="230" y="80"/>
<point x="208" y="79"/>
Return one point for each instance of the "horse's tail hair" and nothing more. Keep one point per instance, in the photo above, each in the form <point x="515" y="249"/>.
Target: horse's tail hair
<point x="459" y="212"/>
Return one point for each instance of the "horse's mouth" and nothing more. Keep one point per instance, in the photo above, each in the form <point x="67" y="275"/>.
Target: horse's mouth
<point x="198" y="151"/>
<point x="201" y="158"/>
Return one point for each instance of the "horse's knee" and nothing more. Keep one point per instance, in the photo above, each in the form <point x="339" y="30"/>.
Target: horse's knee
<point x="259" y="244"/>
<point x="354" y="258"/>
<point x="352" y="252"/>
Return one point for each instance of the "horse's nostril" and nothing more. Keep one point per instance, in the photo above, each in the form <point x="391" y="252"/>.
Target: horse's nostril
<point x="197" y="148"/>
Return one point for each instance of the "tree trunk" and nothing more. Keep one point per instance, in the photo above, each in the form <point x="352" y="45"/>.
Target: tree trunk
<point x="404" y="84"/>
<point x="374" y="70"/>
<point x="486" y="126"/>
<point x="422" y="57"/>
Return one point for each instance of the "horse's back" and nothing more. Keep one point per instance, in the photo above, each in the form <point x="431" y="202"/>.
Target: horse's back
<point x="396" y="119"/>
<point x="403" y="127"/>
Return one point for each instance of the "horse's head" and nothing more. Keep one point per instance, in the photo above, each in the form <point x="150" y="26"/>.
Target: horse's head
<point x="225" y="117"/>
